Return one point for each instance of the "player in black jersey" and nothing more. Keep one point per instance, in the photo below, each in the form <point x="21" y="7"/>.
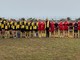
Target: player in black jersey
<point x="75" y="30"/>
<point x="47" y="27"/>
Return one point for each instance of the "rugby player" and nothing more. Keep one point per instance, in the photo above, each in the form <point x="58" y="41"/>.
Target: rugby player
<point x="51" y="29"/>
<point x="61" y="29"/>
<point x="71" y="30"/>
<point x="75" y="30"/>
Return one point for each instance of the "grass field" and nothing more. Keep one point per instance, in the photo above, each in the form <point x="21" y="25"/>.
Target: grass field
<point x="40" y="49"/>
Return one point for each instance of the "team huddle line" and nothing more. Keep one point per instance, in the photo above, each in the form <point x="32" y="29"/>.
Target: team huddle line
<point x="38" y="28"/>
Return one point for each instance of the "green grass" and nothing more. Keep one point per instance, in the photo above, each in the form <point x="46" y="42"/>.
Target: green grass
<point x="40" y="49"/>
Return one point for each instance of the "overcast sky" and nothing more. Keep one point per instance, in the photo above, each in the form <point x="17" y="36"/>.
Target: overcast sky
<point x="40" y="8"/>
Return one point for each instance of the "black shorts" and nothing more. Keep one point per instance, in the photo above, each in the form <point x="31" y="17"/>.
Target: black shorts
<point x="18" y="29"/>
<point x="75" y="31"/>
<point x="3" y="29"/>
<point x="6" y="29"/>
<point x="30" y="30"/>
<point x="47" y="29"/>
<point x="0" y="29"/>
<point x="22" y="30"/>
<point x="10" y="32"/>
<point x="70" y="27"/>
<point x="13" y="29"/>
<point x="35" y="29"/>
<point x="26" y="29"/>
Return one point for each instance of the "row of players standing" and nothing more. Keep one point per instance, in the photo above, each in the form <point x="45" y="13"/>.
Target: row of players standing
<point x="39" y="28"/>
<point x="61" y="29"/>
<point x="65" y="29"/>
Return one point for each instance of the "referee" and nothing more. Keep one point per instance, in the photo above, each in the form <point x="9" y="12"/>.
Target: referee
<point x="47" y="28"/>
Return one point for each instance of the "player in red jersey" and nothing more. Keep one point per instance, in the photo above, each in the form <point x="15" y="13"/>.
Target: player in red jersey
<point x="39" y="28"/>
<point x="51" y="29"/>
<point x="42" y="28"/>
<point x="66" y="28"/>
<point x="71" y="30"/>
<point x="79" y="28"/>
<point x="61" y="28"/>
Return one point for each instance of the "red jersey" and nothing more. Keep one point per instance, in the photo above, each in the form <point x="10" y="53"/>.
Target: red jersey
<point x="78" y="25"/>
<point x="66" y="25"/>
<point x="51" y="26"/>
<point x="42" y="26"/>
<point x="61" y="26"/>
<point x="39" y="25"/>
<point x="71" y="24"/>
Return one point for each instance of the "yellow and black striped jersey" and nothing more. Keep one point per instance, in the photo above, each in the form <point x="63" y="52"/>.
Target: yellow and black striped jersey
<point x="27" y="27"/>
<point x="20" y="22"/>
<point x="11" y="22"/>
<point x="2" y="26"/>
<point x="13" y="27"/>
<point x="24" y="22"/>
<point x="17" y="26"/>
<point x="32" y="23"/>
<point x="35" y="25"/>
<point x="6" y="27"/>
<point x="15" y="23"/>
<point x="29" y="23"/>
<point x="22" y="26"/>
<point x="30" y="27"/>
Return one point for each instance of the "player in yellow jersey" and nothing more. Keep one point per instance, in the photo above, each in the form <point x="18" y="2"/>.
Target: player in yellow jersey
<point x="35" y="29"/>
<point x="7" y="34"/>
<point x="29" y="23"/>
<point x="13" y="30"/>
<point x="3" y="30"/>
<point x="23" y="30"/>
<point x="25" y="22"/>
<point x="27" y="30"/>
<point x="30" y="29"/>
<point x="18" y="33"/>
